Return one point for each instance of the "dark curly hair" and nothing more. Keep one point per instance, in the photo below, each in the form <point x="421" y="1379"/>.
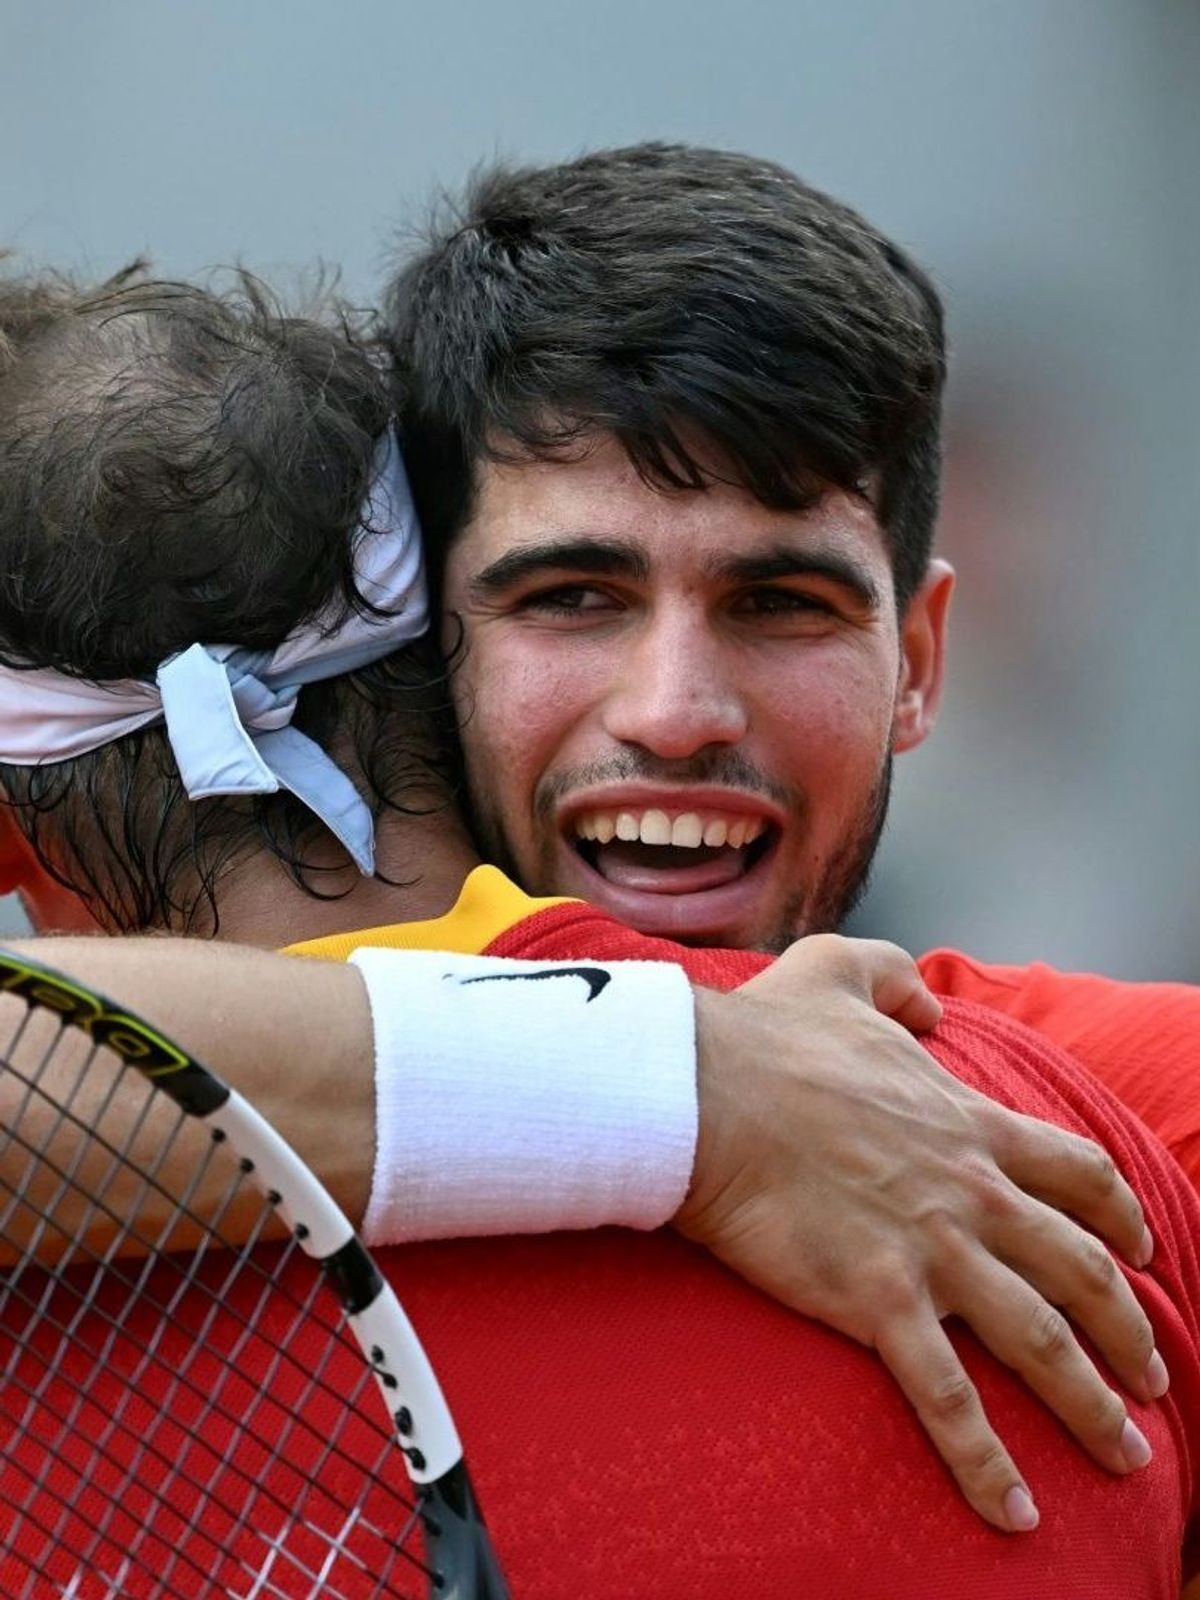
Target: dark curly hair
<point x="669" y="295"/>
<point x="179" y="464"/>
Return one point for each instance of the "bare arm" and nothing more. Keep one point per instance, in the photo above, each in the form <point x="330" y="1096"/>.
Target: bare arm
<point x="294" y="1036"/>
<point x="832" y="1153"/>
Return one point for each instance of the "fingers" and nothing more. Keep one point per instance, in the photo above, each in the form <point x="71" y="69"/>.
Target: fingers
<point x="1074" y="1175"/>
<point x="872" y="969"/>
<point x="898" y="989"/>
<point x="1029" y="1335"/>
<point x="1075" y="1272"/>
<point x="925" y="1364"/>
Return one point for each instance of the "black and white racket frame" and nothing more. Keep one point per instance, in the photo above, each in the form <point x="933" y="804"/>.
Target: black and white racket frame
<point x="459" y="1550"/>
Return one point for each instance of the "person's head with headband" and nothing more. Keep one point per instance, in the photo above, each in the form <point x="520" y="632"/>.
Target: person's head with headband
<point x="210" y="585"/>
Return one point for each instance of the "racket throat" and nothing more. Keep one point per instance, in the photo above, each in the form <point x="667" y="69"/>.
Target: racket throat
<point x="457" y="1544"/>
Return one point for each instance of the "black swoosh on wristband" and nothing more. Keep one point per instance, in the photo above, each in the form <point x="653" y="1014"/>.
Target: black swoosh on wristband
<point x="596" y="978"/>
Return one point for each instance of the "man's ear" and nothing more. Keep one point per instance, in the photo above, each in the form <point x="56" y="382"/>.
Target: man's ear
<point x="922" y="657"/>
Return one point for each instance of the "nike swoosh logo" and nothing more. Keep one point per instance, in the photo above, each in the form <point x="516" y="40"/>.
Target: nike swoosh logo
<point x="596" y="978"/>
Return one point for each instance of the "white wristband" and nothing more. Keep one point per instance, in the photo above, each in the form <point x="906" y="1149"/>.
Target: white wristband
<point x="527" y="1096"/>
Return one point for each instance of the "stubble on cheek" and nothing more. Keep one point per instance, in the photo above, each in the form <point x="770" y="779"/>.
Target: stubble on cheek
<point x="824" y="906"/>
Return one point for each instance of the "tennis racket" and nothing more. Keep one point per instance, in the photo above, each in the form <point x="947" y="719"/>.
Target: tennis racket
<point x="183" y="1414"/>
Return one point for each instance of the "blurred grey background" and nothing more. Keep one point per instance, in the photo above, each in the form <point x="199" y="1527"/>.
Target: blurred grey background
<point x="1040" y="156"/>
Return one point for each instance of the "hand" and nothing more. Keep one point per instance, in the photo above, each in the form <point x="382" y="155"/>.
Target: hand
<point x="845" y="1172"/>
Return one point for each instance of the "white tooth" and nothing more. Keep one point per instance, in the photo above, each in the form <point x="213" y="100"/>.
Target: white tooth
<point x="736" y="836"/>
<point x="656" y="828"/>
<point x="606" y="828"/>
<point x="627" y="825"/>
<point x="753" y="829"/>
<point x="714" y="834"/>
<point x="583" y="828"/>
<point x="686" y="830"/>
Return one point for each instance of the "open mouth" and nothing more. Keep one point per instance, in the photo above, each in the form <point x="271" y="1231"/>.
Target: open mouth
<point x="657" y="852"/>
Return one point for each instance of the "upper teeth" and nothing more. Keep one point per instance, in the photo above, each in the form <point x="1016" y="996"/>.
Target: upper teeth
<point x="689" y="828"/>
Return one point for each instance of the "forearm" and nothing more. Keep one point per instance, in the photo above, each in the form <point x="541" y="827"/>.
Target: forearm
<point x="293" y="1036"/>
<point x="506" y="1107"/>
<point x="838" y="1166"/>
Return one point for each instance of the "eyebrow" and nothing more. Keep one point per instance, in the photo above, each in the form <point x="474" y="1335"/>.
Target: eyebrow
<point x="621" y="558"/>
<point x="604" y="557"/>
<point x="765" y="566"/>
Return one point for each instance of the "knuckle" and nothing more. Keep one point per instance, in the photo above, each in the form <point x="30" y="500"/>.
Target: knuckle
<point x="834" y="952"/>
<point x="890" y="1288"/>
<point x="886" y="953"/>
<point x="943" y="1229"/>
<point x="1097" y="1268"/>
<point x="1146" y="1337"/>
<point x="952" y="1399"/>
<point x="988" y="1461"/>
<point x="1106" y="1414"/>
<point x="994" y="1195"/>
<point x="1098" y="1167"/>
<point x="1050" y="1336"/>
<point x="1007" y="1134"/>
<point x="1142" y="1337"/>
<point x="901" y="960"/>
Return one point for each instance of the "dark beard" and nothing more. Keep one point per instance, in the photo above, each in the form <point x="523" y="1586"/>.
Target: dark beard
<point x="827" y="905"/>
<point x="821" y="908"/>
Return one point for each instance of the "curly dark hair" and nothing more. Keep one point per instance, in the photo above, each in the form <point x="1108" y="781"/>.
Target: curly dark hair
<point x="177" y="464"/>
<point x="669" y="295"/>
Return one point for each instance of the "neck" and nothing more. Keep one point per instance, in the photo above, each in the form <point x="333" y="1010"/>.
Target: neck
<point x="425" y="859"/>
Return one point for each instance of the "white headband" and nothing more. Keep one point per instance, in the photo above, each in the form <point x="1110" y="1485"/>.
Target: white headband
<point x="227" y="710"/>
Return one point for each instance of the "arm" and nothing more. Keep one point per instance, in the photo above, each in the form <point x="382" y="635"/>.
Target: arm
<point x="855" y="1179"/>
<point x="837" y="1165"/>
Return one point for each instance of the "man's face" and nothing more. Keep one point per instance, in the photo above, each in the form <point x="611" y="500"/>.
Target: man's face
<point x="682" y="706"/>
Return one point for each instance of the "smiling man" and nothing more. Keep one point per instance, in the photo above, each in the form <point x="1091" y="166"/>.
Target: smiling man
<point x="168" y="374"/>
<point x="673" y="419"/>
<point x="686" y="704"/>
<point x="224" y="472"/>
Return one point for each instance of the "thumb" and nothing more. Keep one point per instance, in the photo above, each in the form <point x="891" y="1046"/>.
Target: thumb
<point x="897" y="988"/>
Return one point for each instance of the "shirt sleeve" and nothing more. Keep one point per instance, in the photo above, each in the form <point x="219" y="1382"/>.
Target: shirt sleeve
<point x="527" y="1096"/>
<point x="1142" y="1040"/>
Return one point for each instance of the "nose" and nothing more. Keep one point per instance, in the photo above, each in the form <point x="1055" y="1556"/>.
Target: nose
<point x="676" y="689"/>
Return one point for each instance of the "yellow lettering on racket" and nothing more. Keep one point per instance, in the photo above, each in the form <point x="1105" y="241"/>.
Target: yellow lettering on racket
<point x="126" y="1036"/>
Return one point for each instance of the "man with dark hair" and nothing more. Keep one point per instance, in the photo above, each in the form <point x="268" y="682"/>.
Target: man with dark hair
<point x="210" y="716"/>
<point x="673" y="408"/>
<point x="674" y="423"/>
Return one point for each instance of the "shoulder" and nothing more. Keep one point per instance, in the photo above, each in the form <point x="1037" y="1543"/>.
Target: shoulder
<point x="1141" y="1040"/>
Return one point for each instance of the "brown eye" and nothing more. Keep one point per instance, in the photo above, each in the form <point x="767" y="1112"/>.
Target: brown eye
<point x="783" y="603"/>
<point x="566" y="600"/>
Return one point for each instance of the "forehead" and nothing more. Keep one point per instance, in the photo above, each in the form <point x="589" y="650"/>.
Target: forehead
<point x="598" y="495"/>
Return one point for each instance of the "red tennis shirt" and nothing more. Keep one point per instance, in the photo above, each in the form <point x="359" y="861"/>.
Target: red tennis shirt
<point x="642" y="1423"/>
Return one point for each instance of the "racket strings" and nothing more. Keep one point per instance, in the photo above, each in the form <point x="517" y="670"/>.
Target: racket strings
<point x="118" y="1435"/>
<point x="141" y="1294"/>
<point x="241" y="1255"/>
<point x="237" y="1430"/>
<point x="106" y="1452"/>
<point x="125" y="1085"/>
<point x="238" y="1260"/>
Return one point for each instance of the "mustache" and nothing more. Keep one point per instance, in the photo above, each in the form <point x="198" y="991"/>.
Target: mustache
<point x="723" y="768"/>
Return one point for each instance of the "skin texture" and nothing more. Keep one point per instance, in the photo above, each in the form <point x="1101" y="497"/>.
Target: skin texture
<point x="694" y="652"/>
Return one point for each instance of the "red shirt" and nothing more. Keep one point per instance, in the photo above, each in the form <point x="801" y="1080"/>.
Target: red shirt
<point x="640" y="1422"/>
<point x="1142" y="1040"/>
<point x="845" y="1496"/>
